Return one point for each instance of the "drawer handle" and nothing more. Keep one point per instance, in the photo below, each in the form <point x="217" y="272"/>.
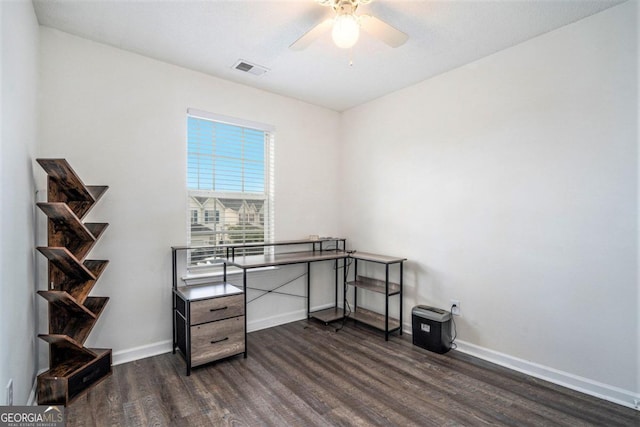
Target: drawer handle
<point x="90" y="377"/>
<point x="217" y="341"/>
<point x="218" y="309"/>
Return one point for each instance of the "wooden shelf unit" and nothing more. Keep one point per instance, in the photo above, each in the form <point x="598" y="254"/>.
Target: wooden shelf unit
<point x="373" y="319"/>
<point x="375" y="285"/>
<point x="328" y="315"/>
<point x="385" y="287"/>
<point x="73" y="368"/>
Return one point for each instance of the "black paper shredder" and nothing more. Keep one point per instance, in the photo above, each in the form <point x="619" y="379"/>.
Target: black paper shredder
<point x="431" y="328"/>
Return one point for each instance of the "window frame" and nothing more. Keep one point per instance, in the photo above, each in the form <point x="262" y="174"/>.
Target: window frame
<point x="267" y="196"/>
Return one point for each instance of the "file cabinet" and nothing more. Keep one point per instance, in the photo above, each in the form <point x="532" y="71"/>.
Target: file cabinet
<point x="210" y="323"/>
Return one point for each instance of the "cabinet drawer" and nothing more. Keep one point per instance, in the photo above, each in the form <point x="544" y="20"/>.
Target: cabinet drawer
<point x="216" y="308"/>
<point x="90" y="374"/>
<point x="215" y="340"/>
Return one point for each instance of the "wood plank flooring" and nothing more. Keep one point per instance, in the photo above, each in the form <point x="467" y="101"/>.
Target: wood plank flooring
<point x="306" y="374"/>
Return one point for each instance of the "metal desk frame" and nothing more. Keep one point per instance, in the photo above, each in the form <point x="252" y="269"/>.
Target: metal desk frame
<point x="317" y="253"/>
<point x="246" y="262"/>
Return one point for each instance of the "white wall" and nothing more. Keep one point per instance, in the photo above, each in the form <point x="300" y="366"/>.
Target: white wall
<point x="120" y="120"/>
<point x="638" y="197"/>
<point x="511" y="184"/>
<point x="19" y="76"/>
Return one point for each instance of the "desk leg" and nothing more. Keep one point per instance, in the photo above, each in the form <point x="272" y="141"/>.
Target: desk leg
<point x="244" y="283"/>
<point x="173" y="318"/>
<point x="174" y="268"/>
<point x="308" y="290"/>
<point x="386" y="303"/>
<point x="187" y="334"/>
<point x="401" y="285"/>
<point x="337" y="265"/>
<point x="344" y="289"/>
<point x="355" y="288"/>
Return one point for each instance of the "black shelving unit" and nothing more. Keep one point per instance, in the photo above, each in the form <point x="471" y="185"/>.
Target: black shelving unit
<point x="384" y="286"/>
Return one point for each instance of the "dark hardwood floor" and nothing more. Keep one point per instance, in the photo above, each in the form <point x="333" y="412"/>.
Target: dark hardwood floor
<point x="306" y="374"/>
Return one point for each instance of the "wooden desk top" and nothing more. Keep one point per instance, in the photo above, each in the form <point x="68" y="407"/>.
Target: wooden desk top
<point x="209" y="290"/>
<point x="262" y="244"/>
<point x="382" y="259"/>
<point x="256" y="261"/>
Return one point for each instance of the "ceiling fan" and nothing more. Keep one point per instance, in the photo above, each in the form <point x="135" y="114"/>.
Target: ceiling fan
<point x="346" y="26"/>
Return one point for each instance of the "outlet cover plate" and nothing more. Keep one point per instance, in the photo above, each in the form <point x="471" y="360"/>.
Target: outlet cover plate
<point x="455" y="310"/>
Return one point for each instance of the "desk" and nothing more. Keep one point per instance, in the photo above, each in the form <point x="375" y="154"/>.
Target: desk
<point x="209" y="320"/>
<point x="224" y="300"/>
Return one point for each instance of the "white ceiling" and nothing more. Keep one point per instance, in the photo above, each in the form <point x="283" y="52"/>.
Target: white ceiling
<point x="211" y="36"/>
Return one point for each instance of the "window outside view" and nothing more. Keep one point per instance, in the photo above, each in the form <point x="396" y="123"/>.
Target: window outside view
<point x="228" y="183"/>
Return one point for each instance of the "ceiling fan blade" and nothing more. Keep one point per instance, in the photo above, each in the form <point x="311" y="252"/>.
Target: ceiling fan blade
<point x="311" y="35"/>
<point x="382" y="31"/>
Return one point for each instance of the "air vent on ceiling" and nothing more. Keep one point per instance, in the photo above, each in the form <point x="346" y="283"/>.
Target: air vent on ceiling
<point x="247" y="67"/>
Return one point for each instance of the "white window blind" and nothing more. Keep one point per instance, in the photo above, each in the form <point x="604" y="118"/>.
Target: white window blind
<point x="229" y="183"/>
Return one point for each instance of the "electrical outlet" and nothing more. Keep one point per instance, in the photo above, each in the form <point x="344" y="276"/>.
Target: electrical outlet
<point x="10" y="393"/>
<point x="455" y="307"/>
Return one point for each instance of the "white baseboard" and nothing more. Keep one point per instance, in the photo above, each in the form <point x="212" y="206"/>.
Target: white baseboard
<point x="584" y="385"/>
<point x="565" y="379"/>
<point x="272" y="321"/>
<point x="282" y="319"/>
<point x="32" y="401"/>
<point x="161" y="347"/>
<point x="137" y="353"/>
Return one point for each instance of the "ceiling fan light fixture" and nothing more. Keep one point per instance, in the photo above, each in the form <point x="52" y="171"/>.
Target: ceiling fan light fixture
<point x="346" y="30"/>
<point x="346" y="25"/>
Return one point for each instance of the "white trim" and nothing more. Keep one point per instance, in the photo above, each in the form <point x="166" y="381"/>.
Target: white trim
<point x="277" y="320"/>
<point x="142" y="352"/>
<point x="574" y="382"/>
<point x="565" y="379"/>
<point x="230" y="120"/>
<point x="161" y="347"/>
<point x="281" y="319"/>
<point x="407" y="328"/>
<point x="32" y="399"/>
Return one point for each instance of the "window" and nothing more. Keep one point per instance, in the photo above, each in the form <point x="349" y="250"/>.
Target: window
<point x="211" y="216"/>
<point x="229" y="182"/>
